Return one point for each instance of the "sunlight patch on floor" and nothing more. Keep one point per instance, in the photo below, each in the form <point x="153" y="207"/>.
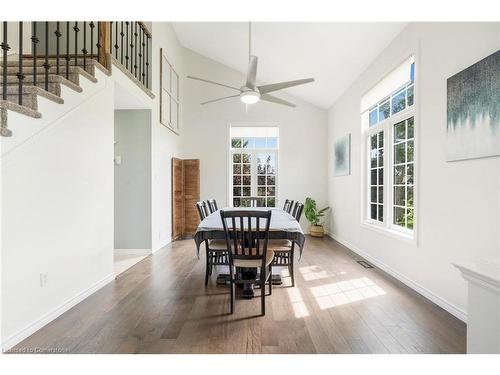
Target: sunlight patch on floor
<point x="299" y="307"/>
<point x="344" y="292"/>
<point x="313" y="273"/>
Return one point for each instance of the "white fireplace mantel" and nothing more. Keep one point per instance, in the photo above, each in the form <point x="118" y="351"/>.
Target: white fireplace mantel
<point x="483" y="316"/>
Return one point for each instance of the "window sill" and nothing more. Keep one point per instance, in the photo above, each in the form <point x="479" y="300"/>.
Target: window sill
<point x="405" y="237"/>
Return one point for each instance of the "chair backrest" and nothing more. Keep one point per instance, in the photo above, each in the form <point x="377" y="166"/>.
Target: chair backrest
<point x="247" y="233"/>
<point x="286" y="205"/>
<point x="297" y="211"/>
<point x="202" y="209"/>
<point x="212" y="205"/>
<point x="289" y="208"/>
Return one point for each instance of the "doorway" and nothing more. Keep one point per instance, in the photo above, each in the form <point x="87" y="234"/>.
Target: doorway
<point x="132" y="176"/>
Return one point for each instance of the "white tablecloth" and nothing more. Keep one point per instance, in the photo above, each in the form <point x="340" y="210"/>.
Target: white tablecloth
<point x="280" y="220"/>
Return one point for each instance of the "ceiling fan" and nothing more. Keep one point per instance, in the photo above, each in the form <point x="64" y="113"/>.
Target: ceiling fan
<point x="250" y="93"/>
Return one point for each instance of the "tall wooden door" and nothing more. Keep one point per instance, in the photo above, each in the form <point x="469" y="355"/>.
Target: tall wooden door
<point x="185" y="194"/>
<point x="191" y="168"/>
<point x="177" y="198"/>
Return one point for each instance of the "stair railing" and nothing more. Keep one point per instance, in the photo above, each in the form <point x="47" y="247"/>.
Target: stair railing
<point x="129" y="44"/>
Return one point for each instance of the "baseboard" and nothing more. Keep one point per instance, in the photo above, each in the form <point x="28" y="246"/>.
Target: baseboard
<point x="441" y="302"/>
<point x="162" y="244"/>
<point x="35" y="326"/>
<point x="133" y="251"/>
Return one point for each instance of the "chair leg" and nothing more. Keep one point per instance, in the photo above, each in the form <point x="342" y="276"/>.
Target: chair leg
<point x="232" y="297"/>
<point x="207" y="268"/>
<point x="263" y="298"/>
<point x="270" y="279"/>
<point x="290" y="268"/>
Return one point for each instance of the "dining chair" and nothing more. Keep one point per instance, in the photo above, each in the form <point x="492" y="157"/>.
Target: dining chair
<point x="289" y="208"/>
<point x="216" y="250"/>
<point x="212" y="205"/>
<point x="286" y="205"/>
<point x="297" y="214"/>
<point x="284" y="249"/>
<point x="247" y="237"/>
<point x="202" y="210"/>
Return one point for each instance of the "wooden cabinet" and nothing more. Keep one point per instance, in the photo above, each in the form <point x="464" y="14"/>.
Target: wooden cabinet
<point x="185" y="194"/>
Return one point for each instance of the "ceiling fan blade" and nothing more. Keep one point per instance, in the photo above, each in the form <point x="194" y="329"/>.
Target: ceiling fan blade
<point x="212" y="82"/>
<point x="283" y="85"/>
<point x="274" y="99"/>
<point x="216" y="100"/>
<point x="252" y="72"/>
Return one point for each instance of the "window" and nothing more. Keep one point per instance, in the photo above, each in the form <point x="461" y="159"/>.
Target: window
<point x="253" y="165"/>
<point x="403" y="161"/>
<point x="377" y="176"/>
<point x="392" y="105"/>
<point x="389" y="128"/>
<point x="169" y="100"/>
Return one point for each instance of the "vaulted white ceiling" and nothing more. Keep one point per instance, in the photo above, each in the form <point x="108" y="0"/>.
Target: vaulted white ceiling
<point x="335" y="54"/>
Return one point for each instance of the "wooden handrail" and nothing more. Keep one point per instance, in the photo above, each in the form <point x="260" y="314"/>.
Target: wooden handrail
<point x="143" y="26"/>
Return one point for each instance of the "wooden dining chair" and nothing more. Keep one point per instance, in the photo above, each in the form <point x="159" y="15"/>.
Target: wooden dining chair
<point x="212" y="205"/>
<point x="284" y="249"/>
<point x="216" y="250"/>
<point x="247" y="237"/>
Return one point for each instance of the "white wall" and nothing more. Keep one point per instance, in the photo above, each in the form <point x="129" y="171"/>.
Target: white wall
<point x="132" y="209"/>
<point x="458" y="203"/>
<point x="303" y="131"/>
<point x="57" y="216"/>
<point x="165" y="143"/>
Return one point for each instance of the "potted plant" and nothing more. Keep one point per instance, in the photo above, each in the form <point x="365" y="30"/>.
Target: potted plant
<point x="313" y="215"/>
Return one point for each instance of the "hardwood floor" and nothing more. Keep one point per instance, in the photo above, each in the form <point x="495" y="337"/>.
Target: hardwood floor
<point x="161" y="306"/>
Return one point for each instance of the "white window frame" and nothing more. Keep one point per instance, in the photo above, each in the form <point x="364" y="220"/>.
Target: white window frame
<point x="253" y="163"/>
<point x="387" y="125"/>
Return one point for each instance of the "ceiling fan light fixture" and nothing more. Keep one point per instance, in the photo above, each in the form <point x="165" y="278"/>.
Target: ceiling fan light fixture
<point x="250" y="97"/>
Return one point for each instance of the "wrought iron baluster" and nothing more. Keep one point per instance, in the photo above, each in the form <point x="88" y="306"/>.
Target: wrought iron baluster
<point x="20" y="75"/>
<point x="58" y="36"/>
<point x="121" y="42"/>
<point x="46" y="64"/>
<point x="98" y="45"/>
<point x="67" y="50"/>
<point x="116" y="40"/>
<point x="140" y="53"/>
<point x="84" y="49"/>
<point x="126" y="44"/>
<point x="76" y="42"/>
<point x="147" y="62"/>
<point x="132" y="48"/>
<point x="135" y="51"/>
<point x="34" y="40"/>
<point x="92" y="26"/>
<point x="143" y="57"/>
<point x="5" y="48"/>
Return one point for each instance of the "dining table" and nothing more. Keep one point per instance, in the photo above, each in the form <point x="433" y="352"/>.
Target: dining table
<point x="283" y="226"/>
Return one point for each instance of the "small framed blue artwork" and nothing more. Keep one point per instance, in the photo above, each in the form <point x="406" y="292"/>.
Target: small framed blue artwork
<point x="342" y="156"/>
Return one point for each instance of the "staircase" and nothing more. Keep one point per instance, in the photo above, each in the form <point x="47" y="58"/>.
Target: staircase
<point x="24" y="80"/>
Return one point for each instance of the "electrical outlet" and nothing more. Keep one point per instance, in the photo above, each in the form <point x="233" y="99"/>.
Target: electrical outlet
<point x="44" y="279"/>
